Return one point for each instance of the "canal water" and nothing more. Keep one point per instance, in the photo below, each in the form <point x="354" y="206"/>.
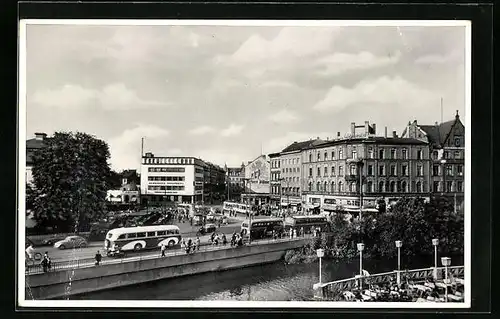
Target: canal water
<point x="270" y="282"/>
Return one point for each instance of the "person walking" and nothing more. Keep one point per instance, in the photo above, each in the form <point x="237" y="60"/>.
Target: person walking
<point x="295" y="233"/>
<point x="163" y="249"/>
<point x="98" y="258"/>
<point x="30" y="252"/>
<point x="198" y="242"/>
<point x="45" y="262"/>
<point x="224" y="239"/>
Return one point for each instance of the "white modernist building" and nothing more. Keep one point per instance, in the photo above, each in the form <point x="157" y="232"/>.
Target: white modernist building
<point x="171" y="179"/>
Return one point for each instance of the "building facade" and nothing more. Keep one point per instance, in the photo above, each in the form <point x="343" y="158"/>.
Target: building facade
<point x="235" y="182"/>
<point x="257" y="181"/>
<point x="447" y="148"/>
<point x="359" y="170"/>
<point x="32" y="145"/>
<point x="214" y="183"/>
<point x="171" y="179"/>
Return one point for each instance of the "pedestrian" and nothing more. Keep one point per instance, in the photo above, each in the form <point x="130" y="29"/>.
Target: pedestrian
<point x="301" y="231"/>
<point x="190" y="245"/>
<point x="30" y="251"/>
<point x="290" y="234"/>
<point x="224" y="239"/>
<point x="98" y="258"/>
<point x="46" y="264"/>
<point x="163" y="249"/>
<point x="198" y="242"/>
<point x="295" y="233"/>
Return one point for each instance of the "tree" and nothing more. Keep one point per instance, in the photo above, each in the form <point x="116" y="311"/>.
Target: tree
<point x="69" y="176"/>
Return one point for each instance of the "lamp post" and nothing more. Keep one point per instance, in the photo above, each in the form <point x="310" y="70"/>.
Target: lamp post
<point x="435" y="243"/>
<point x="446" y="261"/>
<point x="399" y="244"/>
<point x="443" y="163"/>
<point x="361" y="247"/>
<point x="320" y="253"/>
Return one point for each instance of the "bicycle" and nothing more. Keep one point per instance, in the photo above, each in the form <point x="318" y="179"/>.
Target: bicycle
<point x="31" y="261"/>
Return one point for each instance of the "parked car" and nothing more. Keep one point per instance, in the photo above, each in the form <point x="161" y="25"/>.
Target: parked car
<point x="52" y="240"/>
<point x="71" y="242"/>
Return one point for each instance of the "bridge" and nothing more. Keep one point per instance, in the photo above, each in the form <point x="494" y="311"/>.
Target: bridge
<point x="414" y="279"/>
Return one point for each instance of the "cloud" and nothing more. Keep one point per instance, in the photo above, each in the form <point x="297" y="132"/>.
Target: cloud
<point x="385" y="91"/>
<point x="205" y="129"/>
<point x="125" y="148"/>
<point x="277" y="144"/>
<point x="339" y="63"/>
<point x="232" y="130"/>
<point x="115" y="96"/>
<point x="68" y="96"/>
<point x="452" y="57"/>
<point x="284" y="116"/>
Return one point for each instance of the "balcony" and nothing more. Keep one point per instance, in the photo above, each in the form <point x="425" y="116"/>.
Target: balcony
<point x="354" y="160"/>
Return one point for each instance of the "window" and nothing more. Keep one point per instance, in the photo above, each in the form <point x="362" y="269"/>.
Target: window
<point x="381" y="170"/>
<point x="419" y="187"/>
<point x="404" y="170"/>
<point x="435" y="186"/>
<point x="460" y="170"/>
<point x="370" y="152"/>
<point x="319" y="171"/>
<point x="341" y="153"/>
<point x="370" y="170"/>
<point x="435" y="155"/>
<point x="446" y="154"/>
<point x="325" y="186"/>
<point x="393" y="170"/>
<point x="449" y="170"/>
<point x="310" y="157"/>
<point x="458" y="155"/>
<point x="170" y="231"/>
<point x="404" y="153"/>
<point x="122" y="236"/>
<point x="369" y="187"/>
<point x="333" y="170"/>
<point x="381" y="154"/>
<point x="341" y="170"/>
<point x="435" y="170"/>
<point x="151" y="234"/>
<point x="393" y="187"/>
<point x="419" y="154"/>
<point x="133" y="235"/>
<point x="381" y="187"/>
<point x="332" y="187"/>
<point x="141" y="235"/>
<point x="393" y="153"/>
<point x="310" y="186"/>
<point x="352" y="187"/>
<point x="319" y="156"/>
<point x="449" y="185"/>
<point x="318" y="186"/>
<point x="420" y="170"/>
<point x="354" y="154"/>
<point x="458" y="141"/>
<point x="352" y="170"/>
<point x="341" y="187"/>
<point x="310" y="171"/>
<point x="325" y="171"/>
<point x="333" y="155"/>
<point x="460" y="186"/>
<point x="162" y="233"/>
<point x="404" y="187"/>
<point x="326" y="156"/>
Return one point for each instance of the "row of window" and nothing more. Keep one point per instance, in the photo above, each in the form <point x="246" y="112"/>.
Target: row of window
<point x="391" y="187"/>
<point x="448" y="155"/>
<point x="294" y="179"/>
<point x="450" y="170"/>
<point x="166" y="188"/>
<point x="291" y="170"/>
<point x="169" y="160"/>
<point x="149" y="234"/>
<point x="198" y="188"/>
<point x="285" y="161"/>
<point x="198" y="170"/>
<point x="393" y="153"/>
<point x="353" y="170"/>
<point x="167" y="169"/>
<point x="451" y="186"/>
<point x="166" y="178"/>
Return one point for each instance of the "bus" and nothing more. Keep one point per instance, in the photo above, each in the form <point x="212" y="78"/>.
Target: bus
<point x="141" y="238"/>
<point x="262" y="228"/>
<point x="239" y="208"/>
<point x="308" y="223"/>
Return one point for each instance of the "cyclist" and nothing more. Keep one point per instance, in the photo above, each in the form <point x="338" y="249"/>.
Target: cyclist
<point x="30" y="253"/>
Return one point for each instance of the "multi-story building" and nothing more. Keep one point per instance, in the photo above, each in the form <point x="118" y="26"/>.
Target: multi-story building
<point x="236" y="182"/>
<point x="171" y="179"/>
<point x="360" y="169"/>
<point x="32" y="145"/>
<point x="257" y="177"/>
<point x="447" y="147"/>
<point x="214" y="183"/>
<point x="286" y="168"/>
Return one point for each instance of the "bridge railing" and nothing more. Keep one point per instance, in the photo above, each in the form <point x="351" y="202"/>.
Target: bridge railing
<point x="333" y="290"/>
<point x="90" y="262"/>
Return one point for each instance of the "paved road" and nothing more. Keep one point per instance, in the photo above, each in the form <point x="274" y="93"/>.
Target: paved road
<point x="89" y="252"/>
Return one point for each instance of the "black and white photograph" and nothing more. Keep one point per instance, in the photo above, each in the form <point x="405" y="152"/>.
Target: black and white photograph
<point x="254" y="163"/>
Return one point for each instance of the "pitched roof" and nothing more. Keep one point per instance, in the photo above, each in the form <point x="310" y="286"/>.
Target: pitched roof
<point x="297" y="146"/>
<point x="437" y="134"/>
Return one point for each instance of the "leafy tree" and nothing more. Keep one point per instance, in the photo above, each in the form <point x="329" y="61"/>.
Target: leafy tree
<point x="70" y="175"/>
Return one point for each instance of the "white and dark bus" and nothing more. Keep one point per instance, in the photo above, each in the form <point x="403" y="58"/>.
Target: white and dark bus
<point x="141" y="238"/>
<point x="308" y="223"/>
<point x="239" y="208"/>
<point x="262" y="228"/>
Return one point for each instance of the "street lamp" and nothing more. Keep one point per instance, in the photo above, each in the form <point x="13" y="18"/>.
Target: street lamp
<point x="446" y="261"/>
<point x="399" y="244"/>
<point x="361" y="247"/>
<point x="443" y="162"/>
<point x="320" y="253"/>
<point x="435" y="243"/>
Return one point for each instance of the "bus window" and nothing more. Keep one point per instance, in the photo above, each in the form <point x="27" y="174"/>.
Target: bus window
<point x="162" y="233"/>
<point x="122" y="236"/>
<point x="151" y="234"/>
<point x="110" y="235"/>
<point x="170" y="231"/>
<point x="177" y="231"/>
<point x="141" y="235"/>
<point x="132" y="235"/>
<point x="244" y="225"/>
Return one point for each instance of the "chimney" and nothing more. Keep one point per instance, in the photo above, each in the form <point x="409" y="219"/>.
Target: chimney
<point x="374" y="126"/>
<point x="457" y="116"/>
<point x="40" y="136"/>
<point x="367" y="127"/>
<point x="394" y="135"/>
<point x="353" y="128"/>
<point x="385" y="132"/>
<point x="415" y="122"/>
<point x="436" y="123"/>
<point x="338" y="134"/>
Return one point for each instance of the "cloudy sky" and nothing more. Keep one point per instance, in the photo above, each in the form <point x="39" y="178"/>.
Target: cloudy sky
<point x="224" y="93"/>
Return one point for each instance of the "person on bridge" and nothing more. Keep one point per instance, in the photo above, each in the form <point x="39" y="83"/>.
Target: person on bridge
<point x="46" y="262"/>
<point x="163" y="249"/>
<point x="30" y="251"/>
<point x="98" y="258"/>
<point x="198" y="242"/>
<point x="224" y="239"/>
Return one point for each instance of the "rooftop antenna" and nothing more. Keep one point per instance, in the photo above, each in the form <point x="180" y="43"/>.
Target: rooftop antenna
<point x="142" y="147"/>
<point x="441" y="110"/>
